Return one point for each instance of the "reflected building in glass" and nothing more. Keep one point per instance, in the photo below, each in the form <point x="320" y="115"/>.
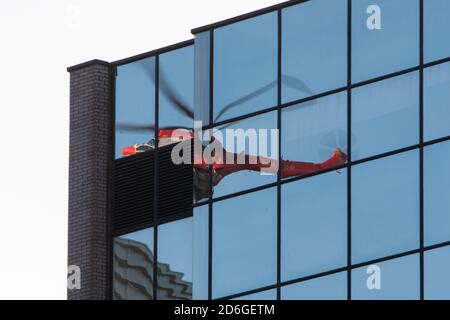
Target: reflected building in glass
<point x="351" y="199"/>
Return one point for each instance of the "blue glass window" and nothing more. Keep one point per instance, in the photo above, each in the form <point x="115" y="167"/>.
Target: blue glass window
<point x="397" y="279"/>
<point x="263" y="295"/>
<point x="385" y="116"/>
<point x="314" y="225"/>
<point x="133" y="266"/>
<point x="385" y="206"/>
<point x="314" y="48"/>
<point x="244" y="243"/>
<point x="175" y="260"/>
<point x="245" y="66"/>
<point x="393" y="47"/>
<point x="202" y="58"/>
<point x="313" y="131"/>
<point x="135" y="104"/>
<point x="436" y="29"/>
<point x="200" y="253"/>
<point x="436" y="101"/>
<point x="176" y="88"/>
<point x="251" y="129"/>
<point x="436" y="188"/>
<point x="437" y="276"/>
<point x="333" y="287"/>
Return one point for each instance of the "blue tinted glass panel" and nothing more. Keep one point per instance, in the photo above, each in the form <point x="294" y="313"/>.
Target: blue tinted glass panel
<point x="333" y="287"/>
<point x="244" y="243"/>
<point x="176" y="88"/>
<point x="437" y="101"/>
<point x="200" y="253"/>
<point x="397" y="279"/>
<point x="437" y="190"/>
<point x="245" y="67"/>
<point x="135" y="104"/>
<point x="264" y="295"/>
<point x="437" y="276"/>
<point x="133" y="266"/>
<point x="313" y="131"/>
<point x="323" y="66"/>
<point x="175" y="260"/>
<point x="202" y="78"/>
<point x="436" y="29"/>
<point x="393" y="47"/>
<point x="385" y="116"/>
<point x="385" y="206"/>
<point x="314" y="225"/>
<point x="249" y="141"/>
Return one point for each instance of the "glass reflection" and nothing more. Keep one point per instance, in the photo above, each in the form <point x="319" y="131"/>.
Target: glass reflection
<point x="314" y="225"/>
<point x="202" y="77"/>
<point x="315" y="132"/>
<point x="398" y="279"/>
<point x="437" y="277"/>
<point x="176" y="89"/>
<point x="436" y="101"/>
<point x="436" y="29"/>
<point x="392" y="47"/>
<point x="436" y="196"/>
<point x="135" y="104"/>
<point x="200" y="253"/>
<point x="245" y="67"/>
<point x="263" y="295"/>
<point x="244" y="243"/>
<point x="323" y="66"/>
<point x="175" y="260"/>
<point x="133" y="266"/>
<point x="332" y="287"/>
<point x="385" y="116"/>
<point x="385" y="206"/>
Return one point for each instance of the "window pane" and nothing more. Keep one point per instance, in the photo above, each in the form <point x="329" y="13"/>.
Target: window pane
<point x="244" y="243"/>
<point x="202" y="77"/>
<point x="437" y="276"/>
<point x="436" y="27"/>
<point x="393" y="47"/>
<point x="232" y="179"/>
<point x="385" y="206"/>
<point x="333" y="287"/>
<point x="398" y="279"/>
<point x="385" y="116"/>
<point x="200" y="253"/>
<point x="245" y="63"/>
<point x="436" y="101"/>
<point x="314" y="225"/>
<point x="175" y="260"/>
<point x="176" y="87"/>
<point x="437" y="186"/>
<point x="135" y="104"/>
<point x="264" y="295"/>
<point x="313" y="131"/>
<point x="323" y="66"/>
<point x="133" y="266"/>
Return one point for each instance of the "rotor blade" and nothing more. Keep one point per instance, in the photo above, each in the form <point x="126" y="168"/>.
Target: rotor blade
<point x="168" y="92"/>
<point x="134" y="127"/>
<point x="289" y="81"/>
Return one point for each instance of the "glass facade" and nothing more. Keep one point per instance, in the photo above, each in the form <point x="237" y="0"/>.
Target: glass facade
<point x="357" y="206"/>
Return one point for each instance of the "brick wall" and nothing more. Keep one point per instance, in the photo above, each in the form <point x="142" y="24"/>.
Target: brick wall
<point x="91" y="110"/>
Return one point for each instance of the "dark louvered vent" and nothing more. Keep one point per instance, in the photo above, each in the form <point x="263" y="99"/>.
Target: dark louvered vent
<point x="134" y="191"/>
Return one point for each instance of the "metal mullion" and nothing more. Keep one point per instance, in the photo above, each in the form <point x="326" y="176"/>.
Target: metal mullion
<point x="210" y="184"/>
<point x="349" y="149"/>
<point x="421" y="143"/>
<point x="156" y="183"/>
<point x="280" y="163"/>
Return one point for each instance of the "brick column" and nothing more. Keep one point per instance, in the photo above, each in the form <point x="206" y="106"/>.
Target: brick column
<point x="91" y="117"/>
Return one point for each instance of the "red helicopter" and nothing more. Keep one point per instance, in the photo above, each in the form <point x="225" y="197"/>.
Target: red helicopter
<point x="220" y="169"/>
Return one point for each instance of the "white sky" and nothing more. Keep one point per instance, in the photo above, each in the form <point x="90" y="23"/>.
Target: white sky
<point x="39" y="39"/>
